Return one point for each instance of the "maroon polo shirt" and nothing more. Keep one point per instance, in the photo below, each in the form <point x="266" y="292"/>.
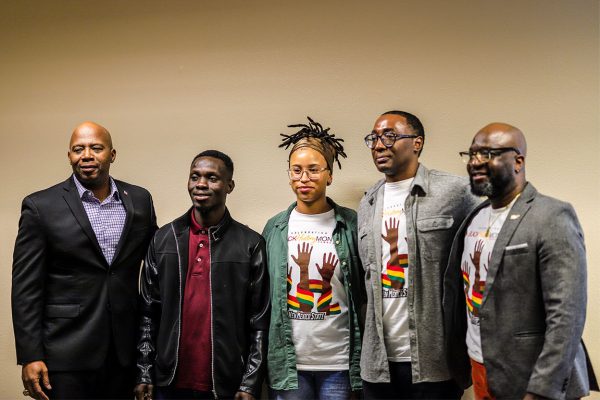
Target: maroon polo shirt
<point x="194" y="367"/>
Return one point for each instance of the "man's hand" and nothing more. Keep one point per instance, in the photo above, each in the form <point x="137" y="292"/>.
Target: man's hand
<point x="243" y="396"/>
<point x="31" y="374"/>
<point x="143" y="391"/>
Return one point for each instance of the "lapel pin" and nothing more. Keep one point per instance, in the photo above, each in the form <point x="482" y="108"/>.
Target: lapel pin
<point x="125" y="193"/>
<point x="515" y="216"/>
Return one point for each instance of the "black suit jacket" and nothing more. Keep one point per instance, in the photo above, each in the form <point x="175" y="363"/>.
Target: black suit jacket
<point x="67" y="302"/>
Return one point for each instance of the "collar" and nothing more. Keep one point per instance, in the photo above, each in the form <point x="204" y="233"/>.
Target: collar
<point x="282" y="220"/>
<point x="420" y="185"/>
<point x="216" y="232"/>
<point x="114" y="192"/>
<point x="195" y="226"/>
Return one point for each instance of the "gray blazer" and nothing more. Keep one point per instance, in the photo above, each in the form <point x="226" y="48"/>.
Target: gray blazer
<point x="437" y="204"/>
<point x="533" y="309"/>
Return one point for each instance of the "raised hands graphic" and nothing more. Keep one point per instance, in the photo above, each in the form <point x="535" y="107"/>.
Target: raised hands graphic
<point x="478" y="284"/>
<point x="476" y="256"/>
<point x="330" y="261"/>
<point x="303" y="260"/>
<point x="465" y="273"/>
<point x="391" y="233"/>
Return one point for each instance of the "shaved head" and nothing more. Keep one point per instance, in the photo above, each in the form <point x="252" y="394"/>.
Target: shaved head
<point x="90" y="154"/>
<point x="89" y="128"/>
<point x="501" y="175"/>
<point x="506" y="134"/>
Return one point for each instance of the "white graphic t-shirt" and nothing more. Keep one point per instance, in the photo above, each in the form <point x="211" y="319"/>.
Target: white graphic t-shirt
<point x="317" y="302"/>
<point x="394" y="271"/>
<point x="480" y="239"/>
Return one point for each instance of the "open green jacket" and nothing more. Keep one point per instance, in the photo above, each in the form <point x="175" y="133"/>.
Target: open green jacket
<point x="281" y="359"/>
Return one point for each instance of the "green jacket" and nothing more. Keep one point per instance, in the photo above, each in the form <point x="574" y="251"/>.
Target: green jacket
<point x="281" y="359"/>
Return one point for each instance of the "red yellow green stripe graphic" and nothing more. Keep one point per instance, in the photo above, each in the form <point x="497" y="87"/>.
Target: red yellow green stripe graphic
<point x="469" y="305"/>
<point x="292" y="302"/>
<point x="335" y="309"/>
<point x="315" y="285"/>
<point x="476" y="299"/>
<point x="385" y="281"/>
<point x="395" y="272"/>
<point x="324" y="301"/>
<point x="305" y="297"/>
<point x="403" y="260"/>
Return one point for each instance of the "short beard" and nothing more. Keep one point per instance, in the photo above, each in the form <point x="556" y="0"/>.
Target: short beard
<point x="484" y="189"/>
<point x="495" y="187"/>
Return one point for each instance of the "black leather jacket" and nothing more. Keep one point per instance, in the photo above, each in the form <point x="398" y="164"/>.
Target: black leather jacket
<point x="240" y="306"/>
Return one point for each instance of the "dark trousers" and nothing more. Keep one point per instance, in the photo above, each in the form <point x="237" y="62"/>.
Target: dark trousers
<point x="171" y="393"/>
<point x="111" y="381"/>
<point x="401" y="386"/>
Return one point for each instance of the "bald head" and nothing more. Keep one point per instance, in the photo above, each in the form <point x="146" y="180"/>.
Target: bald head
<point x="504" y="135"/>
<point x="497" y="167"/>
<point x="90" y="154"/>
<point x="89" y="129"/>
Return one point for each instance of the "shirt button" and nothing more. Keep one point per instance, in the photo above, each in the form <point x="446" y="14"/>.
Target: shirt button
<point x="337" y="242"/>
<point x="198" y="259"/>
<point x="201" y="245"/>
<point x="343" y="262"/>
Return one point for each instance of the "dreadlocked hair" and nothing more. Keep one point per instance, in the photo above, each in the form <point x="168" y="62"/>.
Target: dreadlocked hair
<point x="315" y="130"/>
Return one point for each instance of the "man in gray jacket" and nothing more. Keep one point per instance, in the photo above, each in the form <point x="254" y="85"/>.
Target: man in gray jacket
<point x="515" y="287"/>
<point x="406" y="223"/>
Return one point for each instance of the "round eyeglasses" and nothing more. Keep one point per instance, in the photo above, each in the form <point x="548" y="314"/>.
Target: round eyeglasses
<point x="313" y="173"/>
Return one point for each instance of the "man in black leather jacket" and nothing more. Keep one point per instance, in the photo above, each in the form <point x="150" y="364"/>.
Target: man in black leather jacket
<point x="205" y="298"/>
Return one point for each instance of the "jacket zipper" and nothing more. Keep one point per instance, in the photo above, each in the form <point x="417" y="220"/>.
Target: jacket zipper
<point x="180" y="305"/>
<point x="212" y="344"/>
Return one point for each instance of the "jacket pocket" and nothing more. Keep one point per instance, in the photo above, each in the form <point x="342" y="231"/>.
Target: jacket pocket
<point x="62" y="310"/>
<point x="436" y="223"/>
<point x="521" y="248"/>
<point x="529" y="333"/>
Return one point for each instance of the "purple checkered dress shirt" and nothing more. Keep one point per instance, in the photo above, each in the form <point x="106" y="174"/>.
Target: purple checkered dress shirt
<point x="107" y="218"/>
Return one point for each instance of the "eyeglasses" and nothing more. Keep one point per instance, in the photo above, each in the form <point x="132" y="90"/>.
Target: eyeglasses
<point x="485" y="155"/>
<point x="313" y="173"/>
<point x="387" y="138"/>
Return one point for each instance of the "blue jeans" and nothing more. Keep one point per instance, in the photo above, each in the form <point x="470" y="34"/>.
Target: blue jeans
<point x="322" y="385"/>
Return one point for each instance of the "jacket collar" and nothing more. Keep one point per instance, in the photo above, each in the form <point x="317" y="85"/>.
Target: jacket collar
<point x="216" y="232"/>
<point x="516" y="214"/>
<point x="420" y="185"/>
<point x="282" y="220"/>
<point x="73" y="199"/>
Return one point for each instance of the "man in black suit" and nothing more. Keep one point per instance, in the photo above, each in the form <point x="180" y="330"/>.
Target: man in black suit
<point x="75" y="277"/>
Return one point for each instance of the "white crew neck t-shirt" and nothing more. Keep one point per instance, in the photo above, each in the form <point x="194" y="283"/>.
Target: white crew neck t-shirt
<point x="317" y="302"/>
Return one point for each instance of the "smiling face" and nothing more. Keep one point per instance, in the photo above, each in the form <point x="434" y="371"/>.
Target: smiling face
<point x="310" y="193"/>
<point x="209" y="184"/>
<point x="400" y="161"/>
<point x="90" y="155"/>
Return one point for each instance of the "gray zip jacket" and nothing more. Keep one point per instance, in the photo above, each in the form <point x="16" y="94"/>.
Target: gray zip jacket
<point x="436" y="205"/>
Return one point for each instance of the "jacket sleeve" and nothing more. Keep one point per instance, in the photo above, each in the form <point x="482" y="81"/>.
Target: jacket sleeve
<point x="258" y="315"/>
<point x="150" y="306"/>
<point x="28" y="276"/>
<point x="562" y="270"/>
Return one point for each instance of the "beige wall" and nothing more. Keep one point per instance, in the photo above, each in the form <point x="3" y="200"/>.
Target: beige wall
<point x="171" y="78"/>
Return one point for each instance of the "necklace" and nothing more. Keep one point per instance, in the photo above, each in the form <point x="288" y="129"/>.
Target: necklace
<point x="501" y="211"/>
<point x="491" y="221"/>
